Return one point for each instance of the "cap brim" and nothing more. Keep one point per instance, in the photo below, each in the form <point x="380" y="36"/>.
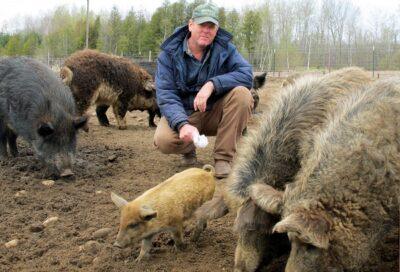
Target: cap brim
<point x="201" y="20"/>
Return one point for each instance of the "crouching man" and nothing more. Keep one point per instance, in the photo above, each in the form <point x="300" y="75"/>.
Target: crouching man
<point x="202" y="87"/>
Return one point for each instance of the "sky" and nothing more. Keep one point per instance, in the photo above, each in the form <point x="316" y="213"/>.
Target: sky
<point x="12" y="11"/>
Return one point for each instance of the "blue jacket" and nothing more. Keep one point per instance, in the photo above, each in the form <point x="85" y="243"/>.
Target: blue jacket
<point x="227" y="70"/>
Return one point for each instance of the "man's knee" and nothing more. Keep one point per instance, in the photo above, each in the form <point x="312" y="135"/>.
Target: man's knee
<point x="161" y="144"/>
<point x="242" y="97"/>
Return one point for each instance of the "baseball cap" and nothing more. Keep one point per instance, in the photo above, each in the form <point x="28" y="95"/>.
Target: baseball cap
<point x="206" y="13"/>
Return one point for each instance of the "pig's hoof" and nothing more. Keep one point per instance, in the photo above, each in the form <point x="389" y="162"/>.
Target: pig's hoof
<point x="122" y="127"/>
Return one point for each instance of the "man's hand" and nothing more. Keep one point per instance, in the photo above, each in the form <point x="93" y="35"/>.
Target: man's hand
<point x="186" y="133"/>
<point x="200" y="101"/>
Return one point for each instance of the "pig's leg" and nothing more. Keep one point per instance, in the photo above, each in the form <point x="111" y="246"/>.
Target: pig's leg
<point x="212" y="209"/>
<point x="101" y="115"/>
<point x="145" y="249"/>
<point x="249" y="250"/>
<point x="12" y="143"/>
<point x="177" y="235"/>
<point x="3" y="140"/>
<point x="152" y="114"/>
<point x="120" y="111"/>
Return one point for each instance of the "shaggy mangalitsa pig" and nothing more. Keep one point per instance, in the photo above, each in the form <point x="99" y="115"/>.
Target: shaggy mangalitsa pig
<point x="164" y="208"/>
<point x="290" y="80"/>
<point x="272" y="154"/>
<point x="342" y="211"/>
<point x="108" y="80"/>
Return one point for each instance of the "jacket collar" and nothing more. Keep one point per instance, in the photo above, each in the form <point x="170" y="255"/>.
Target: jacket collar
<point x="173" y="42"/>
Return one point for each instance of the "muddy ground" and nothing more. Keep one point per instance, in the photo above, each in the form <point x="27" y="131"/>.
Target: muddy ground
<point x="107" y="160"/>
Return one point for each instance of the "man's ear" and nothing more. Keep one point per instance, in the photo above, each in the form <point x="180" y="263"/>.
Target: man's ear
<point x="309" y="228"/>
<point x="118" y="201"/>
<point x="190" y="24"/>
<point x="147" y="213"/>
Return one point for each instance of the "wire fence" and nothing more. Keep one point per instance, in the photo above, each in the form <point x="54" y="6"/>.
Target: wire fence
<point x="327" y="59"/>
<point x="280" y="62"/>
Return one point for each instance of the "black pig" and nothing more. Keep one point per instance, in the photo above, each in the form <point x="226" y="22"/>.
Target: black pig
<point x="36" y="105"/>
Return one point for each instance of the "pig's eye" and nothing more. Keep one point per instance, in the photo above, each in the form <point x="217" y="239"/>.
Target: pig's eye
<point x="133" y="225"/>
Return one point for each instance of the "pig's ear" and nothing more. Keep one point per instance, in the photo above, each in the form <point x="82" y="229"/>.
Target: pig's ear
<point x="119" y="201"/>
<point x="81" y="123"/>
<point x="259" y="81"/>
<point x="149" y="86"/>
<point x="267" y="198"/>
<point x="45" y="129"/>
<point x="309" y="228"/>
<point x="147" y="213"/>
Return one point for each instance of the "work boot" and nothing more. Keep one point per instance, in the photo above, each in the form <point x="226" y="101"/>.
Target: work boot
<point x="189" y="159"/>
<point x="222" y="169"/>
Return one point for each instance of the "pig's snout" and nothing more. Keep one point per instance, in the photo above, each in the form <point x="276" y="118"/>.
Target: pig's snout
<point x="66" y="173"/>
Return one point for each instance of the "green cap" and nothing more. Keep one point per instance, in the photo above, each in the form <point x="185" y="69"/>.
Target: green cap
<point x="205" y="13"/>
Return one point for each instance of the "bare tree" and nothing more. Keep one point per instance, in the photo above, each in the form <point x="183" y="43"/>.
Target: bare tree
<point x="87" y="25"/>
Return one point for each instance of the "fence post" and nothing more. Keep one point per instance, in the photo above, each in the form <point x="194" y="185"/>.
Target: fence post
<point x="273" y="67"/>
<point x="373" y="61"/>
<point x="150" y="56"/>
<point x="329" y="59"/>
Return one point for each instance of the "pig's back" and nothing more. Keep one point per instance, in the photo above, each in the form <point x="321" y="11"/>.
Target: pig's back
<point x="182" y="193"/>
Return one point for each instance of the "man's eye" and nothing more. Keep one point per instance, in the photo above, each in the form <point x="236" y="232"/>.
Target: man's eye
<point x="133" y="225"/>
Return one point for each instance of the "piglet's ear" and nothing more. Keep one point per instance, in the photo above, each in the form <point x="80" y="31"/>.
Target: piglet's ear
<point x="45" y="129"/>
<point x="81" y="123"/>
<point x="309" y="228"/>
<point x="118" y="201"/>
<point x="147" y="213"/>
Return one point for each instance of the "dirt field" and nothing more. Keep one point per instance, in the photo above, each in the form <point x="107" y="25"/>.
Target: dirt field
<point x="107" y="160"/>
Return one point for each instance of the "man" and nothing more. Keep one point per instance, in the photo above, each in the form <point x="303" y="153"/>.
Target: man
<point x="202" y="87"/>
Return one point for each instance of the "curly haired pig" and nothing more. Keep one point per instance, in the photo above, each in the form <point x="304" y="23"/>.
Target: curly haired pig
<point x="164" y="207"/>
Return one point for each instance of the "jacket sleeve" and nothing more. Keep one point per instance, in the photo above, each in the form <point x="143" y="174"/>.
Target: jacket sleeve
<point x="168" y="98"/>
<point x="240" y="73"/>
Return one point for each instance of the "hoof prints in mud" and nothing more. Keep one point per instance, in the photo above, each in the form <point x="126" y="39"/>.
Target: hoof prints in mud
<point x="90" y="163"/>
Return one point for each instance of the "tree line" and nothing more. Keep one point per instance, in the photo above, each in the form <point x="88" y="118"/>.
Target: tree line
<point x="279" y="34"/>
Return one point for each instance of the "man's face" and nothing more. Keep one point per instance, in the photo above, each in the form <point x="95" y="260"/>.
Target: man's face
<point x="202" y="34"/>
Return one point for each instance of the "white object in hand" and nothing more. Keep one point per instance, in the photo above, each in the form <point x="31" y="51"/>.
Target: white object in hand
<point x="200" y="140"/>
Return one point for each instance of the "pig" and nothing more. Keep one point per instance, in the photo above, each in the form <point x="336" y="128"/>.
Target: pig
<point x="341" y="213"/>
<point x="258" y="83"/>
<point x="290" y="80"/>
<point x="149" y="66"/>
<point x="36" y="105"/>
<point x="164" y="207"/>
<point x="108" y="80"/>
<point x="272" y="154"/>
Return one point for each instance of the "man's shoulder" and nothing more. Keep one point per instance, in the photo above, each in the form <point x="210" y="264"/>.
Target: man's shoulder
<point x="173" y="42"/>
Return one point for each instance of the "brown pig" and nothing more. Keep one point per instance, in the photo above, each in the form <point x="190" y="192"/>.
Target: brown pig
<point x="163" y="208"/>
